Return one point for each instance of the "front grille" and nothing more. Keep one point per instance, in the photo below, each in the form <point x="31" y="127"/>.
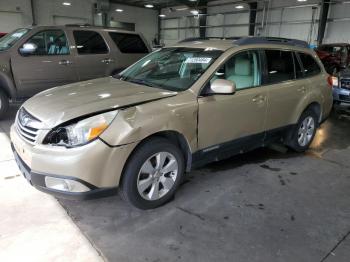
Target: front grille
<point x="25" y="123"/>
<point x="344" y="98"/>
<point x="345" y="84"/>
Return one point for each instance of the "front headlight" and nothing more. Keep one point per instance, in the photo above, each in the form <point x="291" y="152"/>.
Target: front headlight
<point x="81" y="132"/>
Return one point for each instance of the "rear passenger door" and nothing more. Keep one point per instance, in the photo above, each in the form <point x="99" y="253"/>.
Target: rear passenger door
<point x="93" y="58"/>
<point x="286" y="89"/>
<point x="131" y="47"/>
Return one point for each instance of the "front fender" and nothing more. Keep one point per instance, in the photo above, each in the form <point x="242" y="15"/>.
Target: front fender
<point x="134" y="124"/>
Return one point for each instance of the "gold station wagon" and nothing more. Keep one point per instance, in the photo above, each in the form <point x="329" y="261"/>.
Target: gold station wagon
<point x="177" y="108"/>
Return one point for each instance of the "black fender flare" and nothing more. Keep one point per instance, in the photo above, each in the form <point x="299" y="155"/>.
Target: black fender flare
<point x="7" y="85"/>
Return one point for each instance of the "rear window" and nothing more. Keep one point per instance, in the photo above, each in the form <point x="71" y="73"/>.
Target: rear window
<point x="280" y="66"/>
<point x="89" y="42"/>
<point x="129" y="43"/>
<point x="310" y="66"/>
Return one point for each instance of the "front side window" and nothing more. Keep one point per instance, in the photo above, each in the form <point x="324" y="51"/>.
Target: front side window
<point x="280" y="66"/>
<point x="310" y="66"/>
<point x="49" y="42"/>
<point x="175" y="69"/>
<point x="243" y="69"/>
<point x="10" y="39"/>
<point x="129" y="43"/>
<point x="90" y="42"/>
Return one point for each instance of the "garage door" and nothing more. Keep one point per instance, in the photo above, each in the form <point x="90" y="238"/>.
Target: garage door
<point x="10" y="21"/>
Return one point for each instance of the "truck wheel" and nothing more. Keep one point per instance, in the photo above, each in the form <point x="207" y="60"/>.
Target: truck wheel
<point x="153" y="174"/>
<point x="4" y="104"/>
<point x="304" y="132"/>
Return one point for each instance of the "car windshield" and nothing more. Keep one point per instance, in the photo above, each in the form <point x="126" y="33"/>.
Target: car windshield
<point x="175" y="69"/>
<point x="10" y="39"/>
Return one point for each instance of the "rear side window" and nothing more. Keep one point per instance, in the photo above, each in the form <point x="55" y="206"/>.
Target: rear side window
<point x="89" y="42"/>
<point x="129" y="43"/>
<point x="280" y="66"/>
<point x="310" y="66"/>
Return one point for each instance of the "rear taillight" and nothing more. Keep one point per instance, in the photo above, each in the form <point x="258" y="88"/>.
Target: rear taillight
<point x="332" y="81"/>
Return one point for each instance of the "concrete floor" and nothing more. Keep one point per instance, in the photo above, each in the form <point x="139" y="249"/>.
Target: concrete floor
<point x="260" y="206"/>
<point x="34" y="226"/>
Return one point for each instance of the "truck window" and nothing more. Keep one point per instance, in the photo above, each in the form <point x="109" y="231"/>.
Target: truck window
<point x="89" y="42"/>
<point x="129" y="43"/>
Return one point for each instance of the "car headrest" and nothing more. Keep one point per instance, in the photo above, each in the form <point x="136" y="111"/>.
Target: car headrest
<point x="243" y="66"/>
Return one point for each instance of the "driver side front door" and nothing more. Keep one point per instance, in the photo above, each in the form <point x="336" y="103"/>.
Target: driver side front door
<point x="230" y="124"/>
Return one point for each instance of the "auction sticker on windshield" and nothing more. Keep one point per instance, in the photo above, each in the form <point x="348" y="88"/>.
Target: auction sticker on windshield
<point x="198" y="60"/>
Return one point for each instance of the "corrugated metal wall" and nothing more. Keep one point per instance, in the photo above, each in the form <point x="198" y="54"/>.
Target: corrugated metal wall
<point x="278" y="18"/>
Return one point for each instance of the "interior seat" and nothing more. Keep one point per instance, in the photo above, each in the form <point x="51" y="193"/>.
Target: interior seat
<point x="239" y="70"/>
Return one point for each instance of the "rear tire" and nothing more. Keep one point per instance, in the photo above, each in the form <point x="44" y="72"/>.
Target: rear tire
<point x="4" y="104"/>
<point x="153" y="173"/>
<point x="304" y="132"/>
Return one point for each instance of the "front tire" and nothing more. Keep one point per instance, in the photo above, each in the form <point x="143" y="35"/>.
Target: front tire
<point x="152" y="174"/>
<point x="4" y="104"/>
<point x="304" y="132"/>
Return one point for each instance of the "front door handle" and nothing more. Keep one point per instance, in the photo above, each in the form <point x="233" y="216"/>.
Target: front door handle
<point x="259" y="99"/>
<point x="65" y="62"/>
<point x="107" y="61"/>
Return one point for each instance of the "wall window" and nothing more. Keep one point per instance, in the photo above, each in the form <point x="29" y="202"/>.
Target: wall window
<point x="50" y="42"/>
<point x="89" y="42"/>
<point x="243" y="69"/>
<point x="129" y="43"/>
<point x="280" y="66"/>
<point x="309" y="64"/>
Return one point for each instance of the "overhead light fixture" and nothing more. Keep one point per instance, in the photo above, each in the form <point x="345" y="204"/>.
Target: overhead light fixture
<point x="194" y="12"/>
<point x="66" y="4"/>
<point x="119" y="10"/>
<point x="301" y="0"/>
<point x="239" y="6"/>
<point x="192" y="0"/>
<point x="149" y="6"/>
<point x="99" y="13"/>
<point x="162" y="15"/>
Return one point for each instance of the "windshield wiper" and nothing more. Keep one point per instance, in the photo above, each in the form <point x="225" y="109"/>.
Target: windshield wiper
<point x="140" y="82"/>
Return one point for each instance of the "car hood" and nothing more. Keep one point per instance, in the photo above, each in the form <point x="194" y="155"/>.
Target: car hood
<point x="61" y="104"/>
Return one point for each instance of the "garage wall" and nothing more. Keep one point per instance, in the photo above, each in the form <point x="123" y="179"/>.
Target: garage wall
<point x="146" y="20"/>
<point x="337" y="29"/>
<point x="14" y="14"/>
<point x="284" y="19"/>
<point x="17" y="13"/>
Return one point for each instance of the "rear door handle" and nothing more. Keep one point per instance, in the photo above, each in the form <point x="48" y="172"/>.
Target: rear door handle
<point x="65" y="62"/>
<point x="107" y="60"/>
<point x="302" y="89"/>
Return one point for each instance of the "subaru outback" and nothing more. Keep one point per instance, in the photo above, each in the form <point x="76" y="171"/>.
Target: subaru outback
<point x="176" y="109"/>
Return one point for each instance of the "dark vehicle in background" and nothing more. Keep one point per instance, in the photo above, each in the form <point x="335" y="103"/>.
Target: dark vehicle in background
<point x="41" y="57"/>
<point x="335" y="57"/>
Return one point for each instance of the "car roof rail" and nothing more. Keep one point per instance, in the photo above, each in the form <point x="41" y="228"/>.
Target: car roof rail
<point x="251" y="40"/>
<point x="191" y="39"/>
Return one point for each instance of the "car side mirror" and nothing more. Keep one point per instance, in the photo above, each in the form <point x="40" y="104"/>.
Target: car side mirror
<point x="28" y="49"/>
<point x="223" y="87"/>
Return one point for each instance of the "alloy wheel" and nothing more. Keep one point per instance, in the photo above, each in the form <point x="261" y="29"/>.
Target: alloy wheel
<point x="306" y="131"/>
<point x="157" y="176"/>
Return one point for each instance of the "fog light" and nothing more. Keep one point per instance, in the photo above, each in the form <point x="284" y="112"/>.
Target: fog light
<point x="65" y="185"/>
